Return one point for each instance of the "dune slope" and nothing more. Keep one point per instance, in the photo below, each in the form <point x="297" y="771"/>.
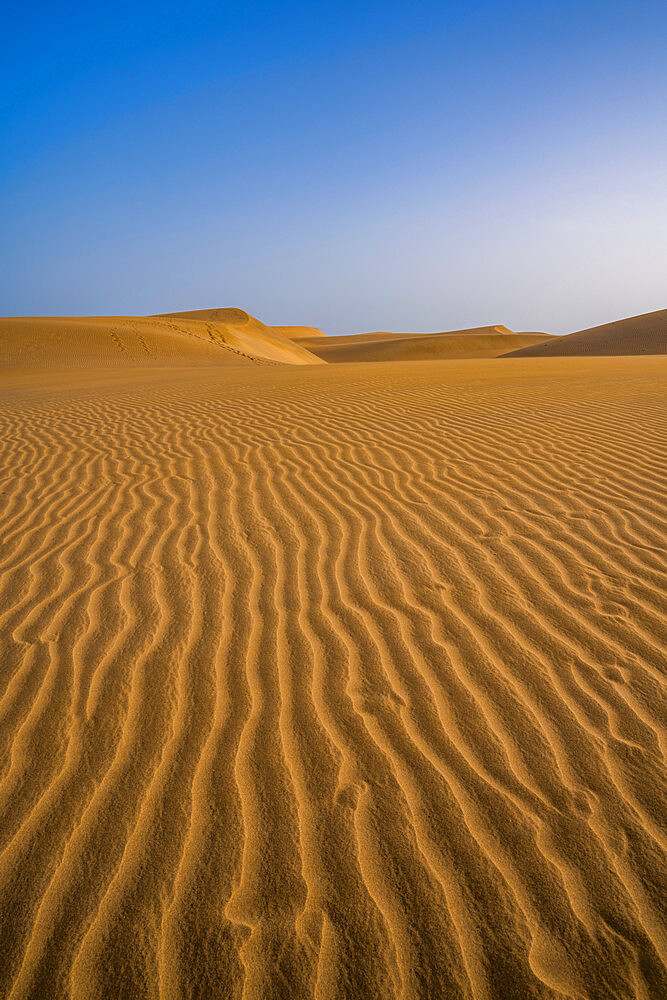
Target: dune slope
<point x="242" y="330"/>
<point x="481" y="342"/>
<point x="300" y="333"/>
<point x="339" y="682"/>
<point x="104" y="342"/>
<point x="645" y="334"/>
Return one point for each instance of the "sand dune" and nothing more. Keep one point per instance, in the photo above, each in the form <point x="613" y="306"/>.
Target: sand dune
<point x="299" y="332"/>
<point x="338" y="682"/>
<point x="480" y="342"/>
<point x="645" y="334"/>
<point x="240" y="328"/>
<point x="119" y="341"/>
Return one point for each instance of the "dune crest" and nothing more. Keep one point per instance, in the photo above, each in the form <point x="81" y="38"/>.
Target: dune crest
<point x="479" y="342"/>
<point x="300" y="333"/>
<point x="239" y="328"/>
<point x="85" y="343"/>
<point x="645" y="334"/>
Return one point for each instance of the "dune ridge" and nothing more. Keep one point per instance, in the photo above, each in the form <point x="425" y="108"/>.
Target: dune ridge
<point x="240" y="328"/>
<point x="300" y="333"/>
<point x="231" y="336"/>
<point x="478" y="342"/>
<point x="341" y="686"/>
<point x="645" y="334"/>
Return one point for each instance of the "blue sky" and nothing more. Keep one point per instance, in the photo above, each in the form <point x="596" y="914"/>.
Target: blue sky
<point x="388" y="165"/>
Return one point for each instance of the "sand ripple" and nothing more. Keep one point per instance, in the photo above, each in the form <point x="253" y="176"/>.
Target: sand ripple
<point x="337" y="682"/>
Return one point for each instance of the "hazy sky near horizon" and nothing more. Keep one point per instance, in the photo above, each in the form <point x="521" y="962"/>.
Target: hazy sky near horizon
<point x="384" y="165"/>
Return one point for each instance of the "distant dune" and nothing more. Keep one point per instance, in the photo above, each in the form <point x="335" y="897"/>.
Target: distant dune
<point x="233" y="337"/>
<point x="645" y="334"/>
<point x="479" y="342"/>
<point x="299" y="332"/>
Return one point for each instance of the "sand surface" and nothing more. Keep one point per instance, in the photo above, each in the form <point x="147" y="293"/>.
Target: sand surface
<point x="480" y="342"/>
<point x="645" y="334"/>
<point x="232" y="337"/>
<point x="332" y="681"/>
<point x="300" y="332"/>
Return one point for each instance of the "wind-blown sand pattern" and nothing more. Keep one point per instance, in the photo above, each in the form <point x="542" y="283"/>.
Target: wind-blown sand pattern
<point x="334" y="682"/>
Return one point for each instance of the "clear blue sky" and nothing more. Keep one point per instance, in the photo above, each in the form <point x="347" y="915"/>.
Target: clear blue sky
<point x="356" y="166"/>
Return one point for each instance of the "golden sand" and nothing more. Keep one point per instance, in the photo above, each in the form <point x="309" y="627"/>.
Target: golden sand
<point x="232" y="337"/>
<point x="300" y="333"/>
<point x="480" y="342"/>
<point x="645" y="334"/>
<point x="330" y="681"/>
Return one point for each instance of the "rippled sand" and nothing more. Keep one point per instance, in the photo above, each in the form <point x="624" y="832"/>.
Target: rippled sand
<point x="336" y="681"/>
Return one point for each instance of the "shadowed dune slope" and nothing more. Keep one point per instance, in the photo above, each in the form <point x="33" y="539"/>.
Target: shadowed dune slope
<point x="337" y="682"/>
<point x="645" y="334"/>
<point x="119" y="341"/>
<point x="481" y="342"/>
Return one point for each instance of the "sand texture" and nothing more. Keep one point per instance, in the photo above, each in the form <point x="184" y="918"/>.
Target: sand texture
<point x="332" y="681"/>
<point x="128" y="341"/>
<point x="645" y="334"/>
<point x="480" y="342"/>
<point x="300" y="332"/>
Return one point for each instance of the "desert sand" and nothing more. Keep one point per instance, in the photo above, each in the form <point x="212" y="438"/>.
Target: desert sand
<point x="300" y="332"/>
<point x="645" y="334"/>
<point x="480" y="342"/>
<point x="328" y="681"/>
<point x="92" y="343"/>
